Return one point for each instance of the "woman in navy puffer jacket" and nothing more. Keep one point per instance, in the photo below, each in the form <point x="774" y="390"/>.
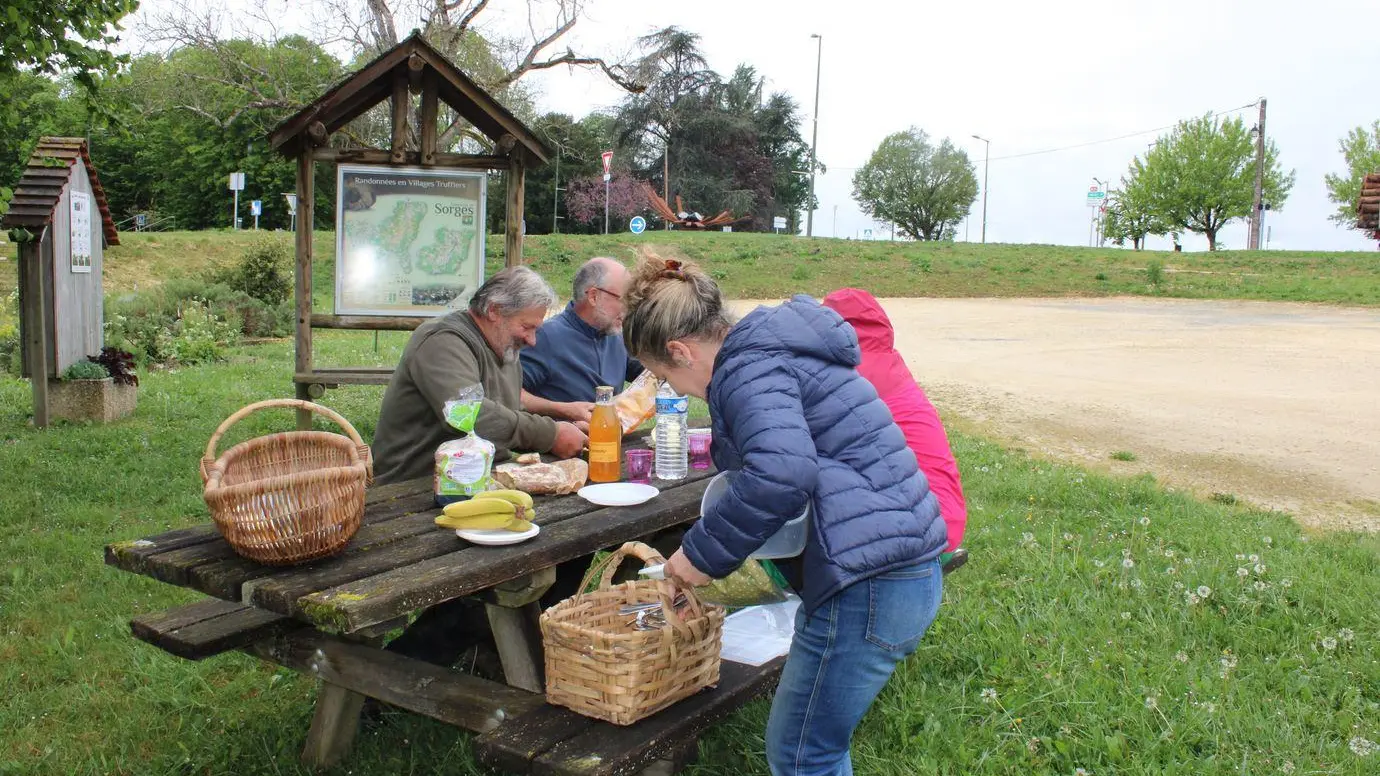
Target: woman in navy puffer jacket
<point x="792" y="416"/>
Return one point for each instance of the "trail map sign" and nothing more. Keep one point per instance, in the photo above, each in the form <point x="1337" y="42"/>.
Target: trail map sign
<point x="409" y="241"/>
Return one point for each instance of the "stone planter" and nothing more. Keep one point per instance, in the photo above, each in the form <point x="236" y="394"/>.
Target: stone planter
<point x="99" y="400"/>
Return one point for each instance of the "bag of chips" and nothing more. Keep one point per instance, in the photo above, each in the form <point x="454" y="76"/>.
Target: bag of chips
<point x="637" y="403"/>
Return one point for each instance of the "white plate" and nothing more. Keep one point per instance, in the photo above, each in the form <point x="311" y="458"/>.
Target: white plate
<point x="496" y="537"/>
<point x="617" y="494"/>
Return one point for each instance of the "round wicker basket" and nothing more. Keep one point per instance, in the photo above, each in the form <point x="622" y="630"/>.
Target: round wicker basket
<point x="288" y="497"/>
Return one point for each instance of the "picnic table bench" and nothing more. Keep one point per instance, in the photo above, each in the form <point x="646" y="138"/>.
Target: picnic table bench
<point x="330" y="619"/>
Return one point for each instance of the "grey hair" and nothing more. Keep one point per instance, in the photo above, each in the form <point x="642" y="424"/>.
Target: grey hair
<point x="592" y="274"/>
<point x="513" y="290"/>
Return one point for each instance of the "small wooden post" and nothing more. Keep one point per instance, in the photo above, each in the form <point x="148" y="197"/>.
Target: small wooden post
<point x="428" y="118"/>
<point x="306" y="194"/>
<point x="401" y="106"/>
<point x="517" y="181"/>
<point x="34" y="316"/>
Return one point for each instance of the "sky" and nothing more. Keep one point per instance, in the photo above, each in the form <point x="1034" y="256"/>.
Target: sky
<point x="1030" y="77"/>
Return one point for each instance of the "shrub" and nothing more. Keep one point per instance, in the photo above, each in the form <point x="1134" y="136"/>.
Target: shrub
<point x="119" y="364"/>
<point x="85" y="370"/>
<point x="201" y="336"/>
<point x="264" y="272"/>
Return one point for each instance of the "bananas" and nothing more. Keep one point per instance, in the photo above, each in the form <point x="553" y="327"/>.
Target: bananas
<point x="515" y="497"/>
<point x="509" y="510"/>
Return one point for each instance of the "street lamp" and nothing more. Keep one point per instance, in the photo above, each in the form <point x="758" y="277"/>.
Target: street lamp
<point x="986" y="156"/>
<point x="814" y="138"/>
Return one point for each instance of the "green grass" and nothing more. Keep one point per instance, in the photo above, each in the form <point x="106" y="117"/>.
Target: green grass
<point x="1123" y="455"/>
<point x="1071" y="640"/>
<point x="772" y="266"/>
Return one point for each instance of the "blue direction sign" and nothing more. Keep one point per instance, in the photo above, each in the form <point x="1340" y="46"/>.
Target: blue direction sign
<point x="638" y="224"/>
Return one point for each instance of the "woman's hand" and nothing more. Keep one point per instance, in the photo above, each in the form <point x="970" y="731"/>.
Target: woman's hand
<point x="680" y="569"/>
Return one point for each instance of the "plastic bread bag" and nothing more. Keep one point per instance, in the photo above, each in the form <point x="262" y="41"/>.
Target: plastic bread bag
<point x="637" y="403"/>
<point x="754" y="583"/>
<point x="463" y="466"/>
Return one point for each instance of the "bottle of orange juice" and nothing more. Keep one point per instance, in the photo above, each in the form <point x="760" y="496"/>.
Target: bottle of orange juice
<point x="605" y="438"/>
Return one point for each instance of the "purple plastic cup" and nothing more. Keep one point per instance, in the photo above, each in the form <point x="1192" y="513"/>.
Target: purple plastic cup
<point x="639" y="463"/>
<point x="698" y="440"/>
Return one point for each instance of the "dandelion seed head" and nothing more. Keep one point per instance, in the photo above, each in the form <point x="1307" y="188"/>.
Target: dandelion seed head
<point x="1098" y="563"/>
<point x="1127" y="563"/>
<point x="1204" y="591"/>
<point x="1267" y="540"/>
<point x="1260" y="585"/>
<point x="1193" y="599"/>
<point x="1346" y="634"/>
<point x="1181" y="656"/>
<point x="1144" y="521"/>
<point x="1068" y="537"/>
<point x="1362" y="747"/>
<point x="1253" y="558"/>
<point x="1151" y="702"/>
<point x="1329" y="643"/>
<point x="1242" y="572"/>
<point x="1286" y="583"/>
<point x="1125" y="615"/>
<point x="1168" y="553"/>
<point x="1259" y="569"/>
<point x="989" y="695"/>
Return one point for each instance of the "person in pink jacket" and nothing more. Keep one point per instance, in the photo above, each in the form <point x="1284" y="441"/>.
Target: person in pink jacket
<point x="912" y="410"/>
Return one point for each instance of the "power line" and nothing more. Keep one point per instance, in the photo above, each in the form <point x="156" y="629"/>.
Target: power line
<point x="1091" y="142"/>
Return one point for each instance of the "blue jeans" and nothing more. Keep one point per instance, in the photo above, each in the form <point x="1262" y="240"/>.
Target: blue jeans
<point x="841" y="657"/>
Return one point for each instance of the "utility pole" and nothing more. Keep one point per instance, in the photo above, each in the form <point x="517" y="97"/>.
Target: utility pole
<point x="556" y="196"/>
<point x="986" y="157"/>
<point x="1259" y="205"/>
<point x="814" y="139"/>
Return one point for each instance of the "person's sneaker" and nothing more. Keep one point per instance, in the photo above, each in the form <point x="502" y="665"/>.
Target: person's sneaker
<point x="950" y="561"/>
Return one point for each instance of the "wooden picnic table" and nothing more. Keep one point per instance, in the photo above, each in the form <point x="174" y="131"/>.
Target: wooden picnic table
<point x="330" y="619"/>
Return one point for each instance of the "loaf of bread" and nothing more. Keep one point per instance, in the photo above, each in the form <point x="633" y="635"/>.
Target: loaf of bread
<point x="543" y="479"/>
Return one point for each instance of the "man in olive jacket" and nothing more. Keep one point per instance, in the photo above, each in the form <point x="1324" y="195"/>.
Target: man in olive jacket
<point x="446" y="354"/>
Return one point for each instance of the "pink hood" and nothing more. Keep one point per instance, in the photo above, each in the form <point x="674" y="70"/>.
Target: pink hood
<point x="883" y="366"/>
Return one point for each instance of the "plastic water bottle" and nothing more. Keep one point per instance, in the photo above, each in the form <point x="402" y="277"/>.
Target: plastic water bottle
<point x="672" y="452"/>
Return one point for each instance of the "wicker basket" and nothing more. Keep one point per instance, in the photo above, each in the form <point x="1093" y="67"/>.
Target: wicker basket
<point x="598" y="665"/>
<point x="289" y="497"/>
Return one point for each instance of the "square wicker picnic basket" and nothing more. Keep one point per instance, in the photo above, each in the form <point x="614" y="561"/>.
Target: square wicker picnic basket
<point x="599" y="664"/>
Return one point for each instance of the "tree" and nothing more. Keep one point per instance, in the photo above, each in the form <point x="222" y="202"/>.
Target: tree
<point x="1361" y="150"/>
<point x="585" y="200"/>
<point x="1130" y="213"/>
<point x="924" y="189"/>
<point x="48" y="36"/>
<point x="1202" y="176"/>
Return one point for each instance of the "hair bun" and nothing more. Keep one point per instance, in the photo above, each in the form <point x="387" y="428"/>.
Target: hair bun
<point x="673" y="270"/>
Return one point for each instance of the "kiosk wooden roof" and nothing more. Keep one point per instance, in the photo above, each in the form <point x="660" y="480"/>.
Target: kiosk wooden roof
<point x="411" y="67"/>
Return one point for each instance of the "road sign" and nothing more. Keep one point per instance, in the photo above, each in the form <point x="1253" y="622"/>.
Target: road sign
<point x="140" y="220"/>
<point x="607" y="177"/>
<point x="867" y="234"/>
<point x="778" y="222"/>
<point x="256" y="208"/>
<point x="237" y="181"/>
<point x="1096" y="196"/>
<point x="728" y="228"/>
<point x="608" y="160"/>
<point x="637" y="224"/>
<point x="291" y="203"/>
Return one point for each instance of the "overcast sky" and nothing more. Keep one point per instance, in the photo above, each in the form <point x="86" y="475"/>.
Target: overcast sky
<point x="1028" y="76"/>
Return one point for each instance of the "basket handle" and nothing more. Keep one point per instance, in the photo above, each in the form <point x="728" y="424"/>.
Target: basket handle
<point x="606" y="568"/>
<point x="208" y="460"/>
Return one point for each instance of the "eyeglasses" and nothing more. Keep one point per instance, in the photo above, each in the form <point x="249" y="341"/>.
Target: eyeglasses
<point x="610" y="293"/>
